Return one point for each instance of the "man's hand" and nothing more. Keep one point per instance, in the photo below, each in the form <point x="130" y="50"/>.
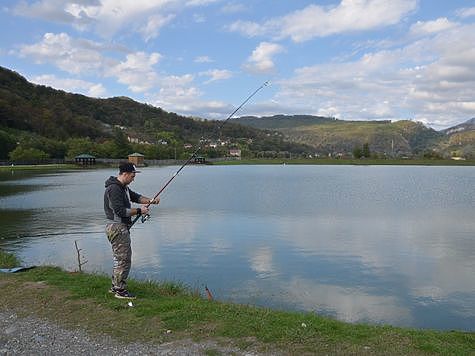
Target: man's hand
<point x="154" y="201"/>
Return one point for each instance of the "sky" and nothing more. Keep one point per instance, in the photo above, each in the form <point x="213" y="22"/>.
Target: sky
<point x="349" y="59"/>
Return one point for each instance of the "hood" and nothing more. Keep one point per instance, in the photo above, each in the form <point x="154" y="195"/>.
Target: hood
<point x="112" y="180"/>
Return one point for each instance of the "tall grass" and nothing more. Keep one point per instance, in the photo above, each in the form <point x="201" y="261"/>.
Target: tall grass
<point x="7" y="260"/>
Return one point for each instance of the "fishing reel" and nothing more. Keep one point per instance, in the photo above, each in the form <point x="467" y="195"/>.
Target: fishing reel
<point x="144" y="217"/>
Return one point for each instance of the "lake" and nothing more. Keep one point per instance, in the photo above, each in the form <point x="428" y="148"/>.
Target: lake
<point x="377" y="244"/>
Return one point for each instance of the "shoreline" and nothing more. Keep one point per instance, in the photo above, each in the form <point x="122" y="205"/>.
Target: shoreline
<point x="350" y="162"/>
<point x="274" y="161"/>
<point x="169" y="312"/>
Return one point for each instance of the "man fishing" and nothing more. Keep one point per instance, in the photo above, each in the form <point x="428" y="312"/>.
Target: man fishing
<point x="118" y="210"/>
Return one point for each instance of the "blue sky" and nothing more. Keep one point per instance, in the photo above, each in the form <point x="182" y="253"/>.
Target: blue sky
<point x="351" y="59"/>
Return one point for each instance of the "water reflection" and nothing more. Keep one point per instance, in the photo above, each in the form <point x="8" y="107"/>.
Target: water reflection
<point x="380" y="244"/>
<point x="349" y="304"/>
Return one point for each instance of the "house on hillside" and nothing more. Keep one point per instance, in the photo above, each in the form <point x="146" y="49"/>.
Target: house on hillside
<point x="137" y="159"/>
<point x="235" y="152"/>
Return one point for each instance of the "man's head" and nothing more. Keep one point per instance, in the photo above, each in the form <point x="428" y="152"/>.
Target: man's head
<point x="127" y="172"/>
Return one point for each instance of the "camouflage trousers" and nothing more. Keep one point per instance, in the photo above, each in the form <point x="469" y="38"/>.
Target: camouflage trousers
<point x="119" y="237"/>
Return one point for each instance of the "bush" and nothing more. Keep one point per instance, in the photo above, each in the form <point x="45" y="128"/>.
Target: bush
<point x="7" y="260"/>
<point x="21" y="154"/>
<point x="7" y="144"/>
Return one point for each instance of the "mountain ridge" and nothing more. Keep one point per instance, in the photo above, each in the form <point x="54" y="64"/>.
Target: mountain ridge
<point x="386" y="137"/>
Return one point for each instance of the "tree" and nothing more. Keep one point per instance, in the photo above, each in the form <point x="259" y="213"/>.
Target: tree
<point x="105" y="149"/>
<point x="7" y="144"/>
<point x="122" y="146"/>
<point x="77" y="146"/>
<point x="21" y="154"/>
<point x="361" y="152"/>
<point x="357" y="152"/>
<point x="365" y="151"/>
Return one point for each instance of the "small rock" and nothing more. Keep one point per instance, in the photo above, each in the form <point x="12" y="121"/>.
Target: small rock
<point x="38" y="338"/>
<point x="10" y="330"/>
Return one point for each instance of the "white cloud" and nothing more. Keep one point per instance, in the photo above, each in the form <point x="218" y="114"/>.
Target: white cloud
<point x="318" y="21"/>
<point x="177" y="94"/>
<point x="79" y="56"/>
<point x="429" y="27"/>
<point x="200" y="2"/>
<point x="233" y="8"/>
<point x="69" y="54"/>
<point x="466" y="12"/>
<point x="260" y="60"/>
<point x="430" y="80"/>
<point x="154" y="24"/>
<point x="217" y="74"/>
<point x="71" y="85"/>
<point x="203" y="59"/>
<point x="248" y="28"/>
<point x="107" y="17"/>
<point x="51" y="10"/>
<point x="137" y="71"/>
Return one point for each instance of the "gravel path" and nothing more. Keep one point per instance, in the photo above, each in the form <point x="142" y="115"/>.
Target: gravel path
<point x="35" y="336"/>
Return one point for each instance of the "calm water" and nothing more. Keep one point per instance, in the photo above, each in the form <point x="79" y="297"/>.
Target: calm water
<point x="378" y="244"/>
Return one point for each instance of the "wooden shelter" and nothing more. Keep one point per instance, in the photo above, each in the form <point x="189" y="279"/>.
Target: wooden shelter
<point x="137" y="159"/>
<point x="85" y="159"/>
<point x="199" y="160"/>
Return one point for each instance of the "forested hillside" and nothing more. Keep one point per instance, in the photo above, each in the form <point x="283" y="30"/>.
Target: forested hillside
<point x="384" y="138"/>
<point x="59" y="124"/>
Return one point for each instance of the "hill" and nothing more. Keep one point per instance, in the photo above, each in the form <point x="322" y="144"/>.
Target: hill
<point x="278" y="122"/>
<point x="400" y="138"/>
<point x="43" y="122"/>
<point x="42" y="118"/>
<point x="460" y="139"/>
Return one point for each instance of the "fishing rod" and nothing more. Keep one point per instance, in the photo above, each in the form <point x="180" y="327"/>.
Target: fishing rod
<point x="145" y="217"/>
<point x="60" y="233"/>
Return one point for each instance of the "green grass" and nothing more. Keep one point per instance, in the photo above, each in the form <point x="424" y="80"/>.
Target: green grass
<point x="8" y="260"/>
<point x="37" y="166"/>
<point x="169" y="311"/>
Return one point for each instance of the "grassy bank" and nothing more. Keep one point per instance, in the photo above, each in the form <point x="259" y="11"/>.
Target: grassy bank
<point x="37" y="167"/>
<point x="364" y="162"/>
<point x="165" y="312"/>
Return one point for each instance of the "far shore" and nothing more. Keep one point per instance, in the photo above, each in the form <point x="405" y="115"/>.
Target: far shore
<point x="264" y="161"/>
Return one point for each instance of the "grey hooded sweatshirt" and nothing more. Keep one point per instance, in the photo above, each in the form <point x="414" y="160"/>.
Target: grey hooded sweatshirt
<point x="117" y="198"/>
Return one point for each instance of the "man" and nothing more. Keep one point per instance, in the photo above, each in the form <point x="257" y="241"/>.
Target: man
<point x="117" y="198"/>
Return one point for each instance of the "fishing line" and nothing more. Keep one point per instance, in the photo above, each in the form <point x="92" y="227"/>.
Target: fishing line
<point x="219" y="127"/>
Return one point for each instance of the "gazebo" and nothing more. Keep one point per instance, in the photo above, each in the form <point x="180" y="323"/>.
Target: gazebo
<point x="137" y="159"/>
<point x="85" y="159"/>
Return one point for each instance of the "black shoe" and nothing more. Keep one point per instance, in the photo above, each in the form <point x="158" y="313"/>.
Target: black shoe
<point x="112" y="290"/>
<point x="123" y="294"/>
